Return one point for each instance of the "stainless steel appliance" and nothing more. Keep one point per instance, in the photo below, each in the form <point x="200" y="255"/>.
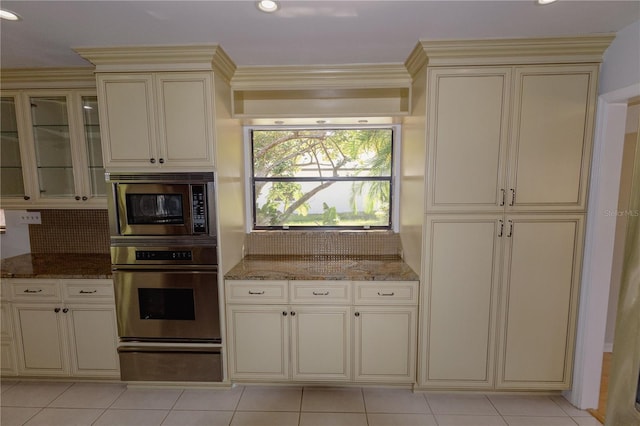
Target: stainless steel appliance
<point x="161" y="204"/>
<point x="165" y="272"/>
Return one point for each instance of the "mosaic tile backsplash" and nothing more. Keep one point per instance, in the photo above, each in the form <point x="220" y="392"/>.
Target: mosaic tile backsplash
<point x="71" y="231"/>
<point x="323" y="243"/>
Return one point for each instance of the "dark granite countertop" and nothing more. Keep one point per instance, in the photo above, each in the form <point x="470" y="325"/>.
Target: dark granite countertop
<point x="322" y="267"/>
<point x="56" y="265"/>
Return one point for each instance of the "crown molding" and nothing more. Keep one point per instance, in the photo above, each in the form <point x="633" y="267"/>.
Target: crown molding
<point x="321" y="77"/>
<point x="37" y="78"/>
<point x="204" y="57"/>
<point x="523" y="51"/>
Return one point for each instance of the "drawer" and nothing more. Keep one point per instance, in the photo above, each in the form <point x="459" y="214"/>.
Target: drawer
<point x="88" y="291"/>
<point x="320" y="292"/>
<point x="256" y="291"/>
<point x="386" y="293"/>
<point x="40" y="290"/>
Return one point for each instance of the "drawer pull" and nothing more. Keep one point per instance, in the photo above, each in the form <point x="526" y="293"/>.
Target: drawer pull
<point x="386" y="294"/>
<point x="321" y="293"/>
<point x="33" y="291"/>
<point x="88" y="292"/>
<point x="256" y="292"/>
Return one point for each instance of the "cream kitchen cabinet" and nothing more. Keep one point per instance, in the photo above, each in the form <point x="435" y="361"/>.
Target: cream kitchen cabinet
<point x="157" y="120"/>
<point x="385" y="322"/>
<point x="65" y="327"/>
<point x="514" y="138"/>
<point x="500" y="300"/>
<point x="51" y="150"/>
<point x="7" y="343"/>
<point x="313" y="331"/>
<point x="276" y="337"/>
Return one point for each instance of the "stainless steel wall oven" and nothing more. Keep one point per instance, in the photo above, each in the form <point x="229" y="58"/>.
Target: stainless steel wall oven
<point x="165" y="272"/>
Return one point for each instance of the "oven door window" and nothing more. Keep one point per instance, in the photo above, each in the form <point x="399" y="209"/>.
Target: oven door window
<point x="155" y="209"/>
<point x="166" y="304"/>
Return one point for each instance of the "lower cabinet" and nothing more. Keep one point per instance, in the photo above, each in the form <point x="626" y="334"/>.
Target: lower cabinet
<point x="500" y="301"/>
<point x="319" y="334"/>
<point x="65" y="328"/>
<point x="8" y="366"/>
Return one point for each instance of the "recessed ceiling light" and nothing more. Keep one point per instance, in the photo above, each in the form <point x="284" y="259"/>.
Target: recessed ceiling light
<point x="543" y="2"/>
<point x="268" y="6"/>
<point x="9" y="15"/>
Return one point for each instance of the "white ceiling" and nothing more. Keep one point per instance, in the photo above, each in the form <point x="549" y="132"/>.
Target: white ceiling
<point x="301" y="33"/>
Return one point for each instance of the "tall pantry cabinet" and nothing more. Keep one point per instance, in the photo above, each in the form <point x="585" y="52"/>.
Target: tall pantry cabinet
<point x="509" y="127"/>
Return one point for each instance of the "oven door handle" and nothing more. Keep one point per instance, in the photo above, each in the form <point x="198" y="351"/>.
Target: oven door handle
<point x="169" y="349"/>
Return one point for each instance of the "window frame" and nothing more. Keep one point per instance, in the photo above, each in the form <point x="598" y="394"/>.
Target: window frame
<point x="394" y="188"/>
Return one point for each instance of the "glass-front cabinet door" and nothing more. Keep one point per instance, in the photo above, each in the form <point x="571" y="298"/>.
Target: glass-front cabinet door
<point x="51" y="150"/>
<point x="52" y="146"/>
<point x="91" y="127"/>
<point x="12" y="183"/>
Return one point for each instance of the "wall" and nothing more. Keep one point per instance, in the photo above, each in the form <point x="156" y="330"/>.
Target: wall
<point x="619" y="82"/>
<point x="16" y="240"/>
<point x="631" y="135"/>
<point x="412" y="184"/>
<point x="621" y="66"/>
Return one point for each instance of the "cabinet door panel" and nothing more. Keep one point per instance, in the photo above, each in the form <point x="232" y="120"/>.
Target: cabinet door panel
<point x="320" y="343"/>
<point x="258" y="342"/>
<point x="467" y="138"/>
<point x="551" y="139"/>
<point x="462" y="279"/>
<point x="127" y="120"/>
<point x="94" y="338"/>
<point x="185" y="117"/>
<point x="42" y="340"/>
<point x="541" y="276"/>
<point x="385" y="343"/>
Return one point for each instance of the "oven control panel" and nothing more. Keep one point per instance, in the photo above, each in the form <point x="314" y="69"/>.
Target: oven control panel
<point x="164" y="255"/>
<point x="199" y="209"/>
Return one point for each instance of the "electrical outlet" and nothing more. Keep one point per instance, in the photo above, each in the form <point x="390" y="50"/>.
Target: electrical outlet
<point x="31" y="218"/>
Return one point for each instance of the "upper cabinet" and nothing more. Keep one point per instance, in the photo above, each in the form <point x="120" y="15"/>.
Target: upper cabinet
<point x="517" y="138"/>
<point x="51" y="147"/>
<point x="157" y="105"/>
<point x="157" y="120"/>
<point x="509" y="123"/>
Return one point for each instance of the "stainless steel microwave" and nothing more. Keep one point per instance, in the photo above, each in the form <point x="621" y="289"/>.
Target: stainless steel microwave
<point x="161" y="204"/>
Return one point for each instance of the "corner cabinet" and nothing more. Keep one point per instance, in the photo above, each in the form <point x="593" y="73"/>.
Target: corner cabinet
<point x="157" y="120"/>
<point x="51" y="149"/>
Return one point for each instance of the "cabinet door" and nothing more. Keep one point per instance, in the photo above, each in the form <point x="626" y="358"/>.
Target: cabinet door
<point x="185" y="119"/>
<point x="385" y="344"/>
<point x="551" y="137"/>
<point x="258" y="339"/>
<point x="13" y="173"/>
<point x="7" y="346"/>
<point x="94" y="185"/>
<point x="460" y="298"/>
<point x="93" y="340"/>
<point x="320" y="343"/>
<point x="41" y="340"/>
<point x="127" y="120"/>
<point x="467" y="138"/>
<point x="541" y="274"/>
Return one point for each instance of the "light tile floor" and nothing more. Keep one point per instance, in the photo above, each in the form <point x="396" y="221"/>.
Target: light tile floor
<point x="79" y="404"/>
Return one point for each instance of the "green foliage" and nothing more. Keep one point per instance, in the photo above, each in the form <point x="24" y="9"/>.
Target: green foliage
<point x="320" y="153"/>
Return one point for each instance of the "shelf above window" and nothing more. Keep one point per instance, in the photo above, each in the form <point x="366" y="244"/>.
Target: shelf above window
<point x="321" y="91"/>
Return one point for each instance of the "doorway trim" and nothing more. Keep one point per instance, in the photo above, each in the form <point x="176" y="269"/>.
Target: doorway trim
<point x="599" y="242"/>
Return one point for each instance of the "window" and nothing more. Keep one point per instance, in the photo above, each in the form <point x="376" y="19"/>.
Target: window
<point x="320" y="178"/>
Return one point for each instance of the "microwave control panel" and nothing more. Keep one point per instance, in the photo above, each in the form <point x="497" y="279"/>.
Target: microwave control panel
<point x="199" y="209"/>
